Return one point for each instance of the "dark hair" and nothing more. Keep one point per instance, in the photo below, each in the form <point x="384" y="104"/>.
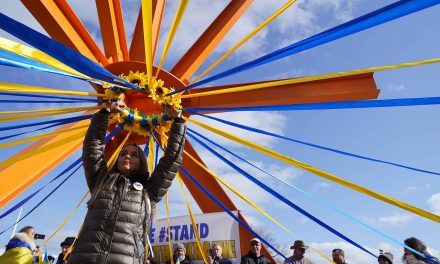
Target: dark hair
<point x="114" y="168"/>
<point x="417" y="245"/>
<point x="339" y="251"/>
<point x="26" y="229"/>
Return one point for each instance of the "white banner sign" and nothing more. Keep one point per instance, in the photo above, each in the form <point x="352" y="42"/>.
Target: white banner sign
<point x="214" y="228"/>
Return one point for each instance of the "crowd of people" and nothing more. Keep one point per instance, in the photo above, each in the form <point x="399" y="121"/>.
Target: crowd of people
<point x="22" y="249"/>
<point x="123" y="200"/>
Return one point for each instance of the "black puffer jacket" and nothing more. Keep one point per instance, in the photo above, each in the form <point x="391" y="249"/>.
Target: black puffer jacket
<point x="114" y="230"/>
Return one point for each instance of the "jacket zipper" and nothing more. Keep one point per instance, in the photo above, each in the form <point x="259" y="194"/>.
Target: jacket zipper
<point x="116" y="219"/>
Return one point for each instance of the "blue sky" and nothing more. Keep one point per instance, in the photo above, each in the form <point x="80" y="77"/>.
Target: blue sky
<point x="403" y="135"/>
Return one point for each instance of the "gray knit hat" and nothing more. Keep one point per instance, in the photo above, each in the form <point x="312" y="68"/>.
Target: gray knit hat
<point x="388" y="256"/>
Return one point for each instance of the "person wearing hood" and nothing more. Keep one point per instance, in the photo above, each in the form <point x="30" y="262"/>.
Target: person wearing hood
<point x="21" y="249"/>
<point x="180" y="256"/>
<point x="123" y="196"/>
<point x="255" y="256"/>
<point x="385" y="258"/>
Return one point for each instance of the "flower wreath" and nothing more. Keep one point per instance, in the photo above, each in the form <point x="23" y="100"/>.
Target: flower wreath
<point x="137" y="121"/>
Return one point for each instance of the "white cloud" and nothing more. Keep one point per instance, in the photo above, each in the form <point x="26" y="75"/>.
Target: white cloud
<point x="323" y="185"/>
<point x="268" y="121"/>
<point x="396" y="87"/>
<point x="434" y="203"/>
<point x="395" y="219"/>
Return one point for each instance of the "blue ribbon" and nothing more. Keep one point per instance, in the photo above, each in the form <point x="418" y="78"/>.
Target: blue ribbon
<point x="60" y="52"/>
<point x="40" y="102"/>
<point x="27" y="132"/>
<point x="256" y="130"/>
<point x="25" y="200"/>
<point x="44" y="199"/>
<point x="225" y="208"/>
<point x="326" y="106"/>
<point x="230" y="213"/>
<point x="280" y="197"/>
<point x="77" y="162"/>
<point x="380" y="16"/>
<point x="51" y="96"/>
<point x="15" y="60"/>
<point x="304" y="192"/>
<point x="57" y="121"/>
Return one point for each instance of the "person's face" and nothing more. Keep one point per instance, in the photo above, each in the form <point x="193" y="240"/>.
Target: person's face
<point x="299" y="252"/>
<point x="382" y="260"/>
<point x="64" y="249"/>
<point x="255" y="248"/>
<point x="129" y="160"/>
<point x="31" y="232"/>
<point x="180" y="253"/>
<point x="217" y="250"/>
<point x="338" y="258"/>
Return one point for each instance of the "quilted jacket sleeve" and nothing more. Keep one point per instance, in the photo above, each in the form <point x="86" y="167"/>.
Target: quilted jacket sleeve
<point x="93" y="148"/>
<point x="166" y="170"/>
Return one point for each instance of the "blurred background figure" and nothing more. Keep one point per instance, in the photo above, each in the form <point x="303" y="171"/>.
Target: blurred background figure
<point x="65" y="250"/>
<point x="21" y="249"/>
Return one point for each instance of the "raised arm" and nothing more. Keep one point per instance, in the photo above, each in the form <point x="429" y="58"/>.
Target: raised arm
<point x="169" y="164"/>
<point x="93" y="146"/>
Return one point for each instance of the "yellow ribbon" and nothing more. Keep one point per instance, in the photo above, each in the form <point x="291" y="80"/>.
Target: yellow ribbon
<point x="66" y="220"/>
<point x="37" y="55"/>
<point x="147" y="18"/>
<point x="42" y="149"/>
<point x="109" y="162"/>
<point x="151" y="153"/>
<point x="47" y="110"/>
<point x="115" y="154"/>
<point x="311" y="78"/>
<point x="320" y="173"/>
<point x="193" y="220"/>
<point x="169" y="228"/>
<point x="239" y="44"/>
<point x="19" y="88"/>
<point x="25" y="140"/>
<point x="26" y="116"/>
<point x="176" y="22"/>
<point x="248" y="201"/>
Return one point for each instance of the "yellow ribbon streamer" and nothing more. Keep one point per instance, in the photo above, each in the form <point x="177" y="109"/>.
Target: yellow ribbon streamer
<point x="65" y="220"/>
<point x="151" y="153"/>
<point x="147" y="19"/>
<point x="29" y="139"/>
<point x="112" y="158"/>
<point x="193" y="220"/>
<point x="176" y="22"/>
<point x="47" y="110"/>
<point x="311" y="78"/>
<point x="115" y="154"/>
<point x="37" y="55"/>
<point x="239" y="44"/>
<point x="248" y="201"/>
<point x="26" y="116"/>
<point x="19" y="88"/>
<point x="169" y="228"/>
<point x="42" y="149"/>
<point x="320" y="173"/>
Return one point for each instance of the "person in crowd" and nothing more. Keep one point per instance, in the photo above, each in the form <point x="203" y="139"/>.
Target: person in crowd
<point x="255" y="256"/>
<point x="385" y="258"/>
<point x="411" y="257"/>
<point x="123" y="196"/>
<point x="217" y="256"/>
<point x="51" y="259"/>
<point x="21" y="249"/>
<point x="65" y="250"/>
<point x="338" y="256"/>
<point x="180" y="256"/>
<point x="299" y="249"/>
